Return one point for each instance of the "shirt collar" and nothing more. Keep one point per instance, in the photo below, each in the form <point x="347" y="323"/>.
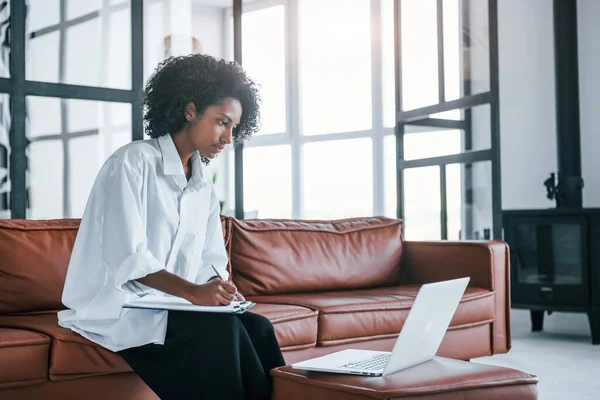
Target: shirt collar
<point x="172" y="163"/>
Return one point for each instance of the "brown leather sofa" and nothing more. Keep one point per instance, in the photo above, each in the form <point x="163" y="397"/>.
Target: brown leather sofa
<point x="324" y="285"/>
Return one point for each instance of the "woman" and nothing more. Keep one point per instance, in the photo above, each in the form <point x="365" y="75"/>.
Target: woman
<point x="152" y="225"/>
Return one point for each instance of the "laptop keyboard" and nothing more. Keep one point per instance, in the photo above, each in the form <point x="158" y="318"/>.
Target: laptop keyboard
<point x="374" y="363"/>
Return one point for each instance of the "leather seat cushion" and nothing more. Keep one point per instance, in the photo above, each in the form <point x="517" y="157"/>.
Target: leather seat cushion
<point x="72" y="355"/>
<point x="357" y="315"/>
<point x="23" y="358"/>
<point x="295" y="326"/>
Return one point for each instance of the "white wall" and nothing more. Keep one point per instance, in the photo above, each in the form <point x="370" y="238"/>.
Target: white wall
<point x="589" y="96"/>
<point x="527" y="101"/>
<point x="528" y="110"/>
<point x="207" y="27"/>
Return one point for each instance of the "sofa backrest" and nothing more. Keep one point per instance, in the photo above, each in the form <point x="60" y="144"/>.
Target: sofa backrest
<point x="34" y="256"/>
<point x="287" y="256"/>
<point x="266" y="256"/>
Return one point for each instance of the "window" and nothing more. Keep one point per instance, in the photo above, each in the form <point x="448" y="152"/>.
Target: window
<point x="340" y="104"/>
<point x="335" y="66"/>
<point x="389" y="174"/>
<point x="422" y="203"/>
<point x="268" y="182"/>
<point x="77" y="101"/>
<point x="69" y="141"/>
<point x="87" y="45"/>
<point x="419" y="53"/>
<point x="332" y="137"/>
<point x="266" y="63"/>
<point x="448" y="148"/>
<point x="337" y="179"/>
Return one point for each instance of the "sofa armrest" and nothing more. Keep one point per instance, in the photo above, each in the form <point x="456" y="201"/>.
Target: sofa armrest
<point x="485" y="262"/>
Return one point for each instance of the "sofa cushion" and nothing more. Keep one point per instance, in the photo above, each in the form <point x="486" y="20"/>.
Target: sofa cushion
<point x="285" y="256"/>
<point x="72" y="355"/>
<point x="34" y="256"/>
<point x="295" y="326"/>
<point x="23" y="358"/>
<point x="358" y="315"/>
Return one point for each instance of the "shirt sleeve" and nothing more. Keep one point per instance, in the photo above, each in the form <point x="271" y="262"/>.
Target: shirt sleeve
<point x="124" y="241"/>
<point x="213" y="252"/>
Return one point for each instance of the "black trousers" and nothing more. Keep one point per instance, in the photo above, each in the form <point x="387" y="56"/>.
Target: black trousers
<point x="210" y="356"/>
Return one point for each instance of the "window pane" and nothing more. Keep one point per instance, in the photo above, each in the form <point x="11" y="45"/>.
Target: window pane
<point x="387" y="62"/>
<point x="432" y="144"/>
<point x="443" y="142"/>
<point x="42" y="14"/>
<point x="389" y="176"/>
<point x="65" y="156"/>
<point x="266" y="63"/>
<point x="335" y="66"/>
<point x="46" y="184"/>
<point x="76" y="8"/>
<point x="268" y="182"/>
<point x="90" y="46"/>
<point x="466" y="52"/>
<point x="469" y="200"/>
<point x="419" y="53"/>
<point x="422" y="204"/>
<point x="4" y="156"/>
<point x="452" y="50"/>
<point x="337" y="179"/>
<point x="466" y="48"/>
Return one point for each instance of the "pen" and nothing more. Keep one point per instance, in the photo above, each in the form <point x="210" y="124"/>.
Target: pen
<point x="221" y="278"/>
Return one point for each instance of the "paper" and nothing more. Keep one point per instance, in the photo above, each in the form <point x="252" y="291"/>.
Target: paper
<point x="177" y="303"/>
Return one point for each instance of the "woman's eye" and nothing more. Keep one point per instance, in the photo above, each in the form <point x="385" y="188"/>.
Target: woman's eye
<point x="222" y="122"/>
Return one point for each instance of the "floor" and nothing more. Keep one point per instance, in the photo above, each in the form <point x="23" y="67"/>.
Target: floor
<point x="562" y="356"/>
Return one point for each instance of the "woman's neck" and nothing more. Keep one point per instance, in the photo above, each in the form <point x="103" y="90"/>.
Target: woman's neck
<point x="184" y="149"/>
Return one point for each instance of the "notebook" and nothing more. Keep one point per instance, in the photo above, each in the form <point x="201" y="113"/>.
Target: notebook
<point x="177" y="303"/>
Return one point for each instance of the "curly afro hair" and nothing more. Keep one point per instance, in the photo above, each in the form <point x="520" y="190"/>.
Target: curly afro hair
<point x="204" y="81"/>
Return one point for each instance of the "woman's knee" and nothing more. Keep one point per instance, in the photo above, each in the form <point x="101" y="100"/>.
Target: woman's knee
<point x="257" y="322"/>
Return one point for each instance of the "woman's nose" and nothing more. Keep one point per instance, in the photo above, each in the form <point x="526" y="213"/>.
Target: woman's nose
<point x="227" y="137"/>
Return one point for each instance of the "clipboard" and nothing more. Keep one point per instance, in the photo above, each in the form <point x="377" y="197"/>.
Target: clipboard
<point x="179" y="304"/>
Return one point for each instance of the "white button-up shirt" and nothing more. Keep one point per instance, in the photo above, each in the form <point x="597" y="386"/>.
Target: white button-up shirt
<point x="142" y="216"/>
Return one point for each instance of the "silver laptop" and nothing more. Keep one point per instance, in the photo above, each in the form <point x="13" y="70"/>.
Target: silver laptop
<point x="418" y="342"/>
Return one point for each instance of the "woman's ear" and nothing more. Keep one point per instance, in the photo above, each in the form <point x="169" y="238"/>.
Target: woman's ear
<point x="190" y="111"/>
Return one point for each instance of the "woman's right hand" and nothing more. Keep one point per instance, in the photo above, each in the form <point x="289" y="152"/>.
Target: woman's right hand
<point x="215" y="292"/>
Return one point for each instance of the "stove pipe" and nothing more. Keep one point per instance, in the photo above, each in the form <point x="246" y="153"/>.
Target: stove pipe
<point x="567" y="187"/>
